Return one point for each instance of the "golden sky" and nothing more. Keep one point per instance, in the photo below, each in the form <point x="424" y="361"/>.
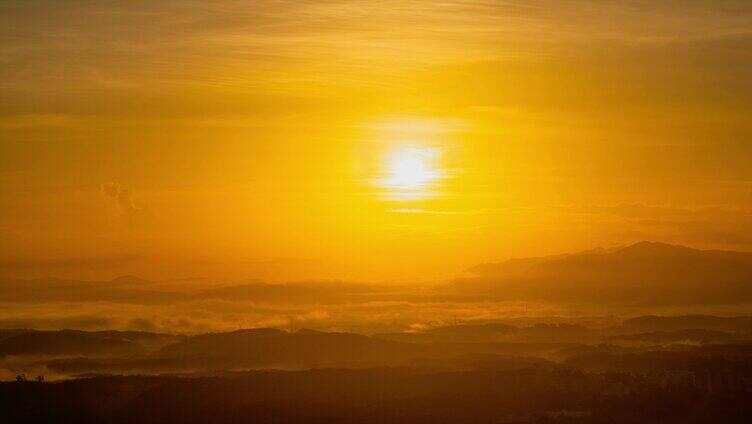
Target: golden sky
<point x="366" y="140"/>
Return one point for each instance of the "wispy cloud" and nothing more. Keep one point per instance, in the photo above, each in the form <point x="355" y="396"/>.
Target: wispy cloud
<point x="433" y="212"/>
<point x="255" y="44"/>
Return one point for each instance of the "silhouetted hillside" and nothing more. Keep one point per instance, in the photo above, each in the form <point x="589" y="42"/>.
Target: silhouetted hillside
<point x="689" y="393"/>
<point x="80" y="352"/>
<point x="697" y="336"/>
<point x="495" y="332"/>
<point x="641" y="274"/>
<point x="487" y="332"/>
<point x="271" y="347"/>
<point x="83" y="343"/>
<point x="684" y="322"/>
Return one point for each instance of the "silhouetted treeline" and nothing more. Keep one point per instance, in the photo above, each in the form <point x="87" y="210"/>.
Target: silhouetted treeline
<point x="536" y="394"/>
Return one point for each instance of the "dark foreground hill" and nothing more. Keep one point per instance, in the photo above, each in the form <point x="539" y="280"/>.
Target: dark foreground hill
<point x="645" y="370"/>
<point x="387" y="395"/>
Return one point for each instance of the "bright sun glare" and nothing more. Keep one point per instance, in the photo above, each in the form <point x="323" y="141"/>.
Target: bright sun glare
<point x="411" y="171"/>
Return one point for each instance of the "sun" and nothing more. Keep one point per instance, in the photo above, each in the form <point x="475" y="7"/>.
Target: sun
<point x="411" y="171"/>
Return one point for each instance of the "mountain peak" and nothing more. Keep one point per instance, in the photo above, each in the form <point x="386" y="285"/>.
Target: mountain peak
<point x="653" y="247"/>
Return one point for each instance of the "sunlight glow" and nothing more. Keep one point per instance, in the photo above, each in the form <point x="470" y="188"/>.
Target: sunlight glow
<point x="411" y="172"/>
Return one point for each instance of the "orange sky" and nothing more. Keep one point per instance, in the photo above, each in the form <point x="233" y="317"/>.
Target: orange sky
<point x="265" y="139"/>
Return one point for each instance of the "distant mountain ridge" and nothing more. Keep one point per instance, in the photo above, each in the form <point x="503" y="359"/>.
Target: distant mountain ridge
<point x="641" y="273"/>
<point x="639" y="249"/>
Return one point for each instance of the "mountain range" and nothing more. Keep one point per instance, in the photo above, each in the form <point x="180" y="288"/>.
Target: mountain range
<point x="645" y="273"/>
